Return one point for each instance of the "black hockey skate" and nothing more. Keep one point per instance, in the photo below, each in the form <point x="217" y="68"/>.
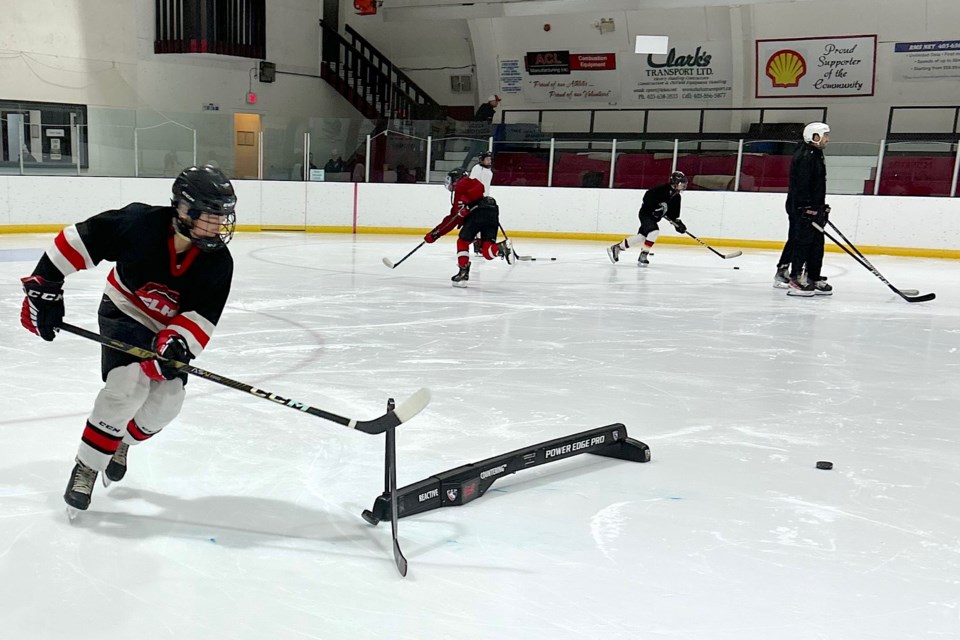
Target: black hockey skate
<point x="117" y="467"/>
<point x="79" y="488"/>
<point x="782" y="279"/>
<point x="613" y="252"/>
<point x="460" y="280"/>
<point x="505" y="250"/>
<point x="478" y="247"/>
<point x="643" y="261"/>
<point x="821" y="288"/>
<point x="800" y="288"/>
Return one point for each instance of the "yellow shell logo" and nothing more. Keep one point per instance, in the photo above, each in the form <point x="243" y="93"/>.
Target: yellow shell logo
<point x="786" y="67"/>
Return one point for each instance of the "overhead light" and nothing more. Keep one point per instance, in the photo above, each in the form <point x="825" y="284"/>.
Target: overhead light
<point x="651" y="44"/>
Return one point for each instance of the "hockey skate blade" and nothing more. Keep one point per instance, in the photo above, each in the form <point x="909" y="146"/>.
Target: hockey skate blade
<point x="388" y="262"/>
<point x="460" y="285"/>
<point x="413" y="405"/>
<point x="72" y="513"/>
<point x="105" y="480"/>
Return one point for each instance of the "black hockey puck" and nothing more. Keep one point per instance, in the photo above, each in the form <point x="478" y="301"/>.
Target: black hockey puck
<point x="737" y="268"/>
<point x="533" y="259"/>
<point x="553" y="258"/>
<point x="826" y="465"/>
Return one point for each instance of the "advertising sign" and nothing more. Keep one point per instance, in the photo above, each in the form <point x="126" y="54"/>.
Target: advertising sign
<point x="934" y="60"/>
<point x="839" y="66"/>
<point x="689" y="71"/>
<point x="562" y="77"/>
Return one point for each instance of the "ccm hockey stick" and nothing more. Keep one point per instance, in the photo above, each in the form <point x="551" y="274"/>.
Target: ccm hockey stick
<point x="725" y="256"/>
<point x="407" y="410"/>
<point x="909" y="292"/>
<point x="869" y="267"/>
<point x="393" y="265"/>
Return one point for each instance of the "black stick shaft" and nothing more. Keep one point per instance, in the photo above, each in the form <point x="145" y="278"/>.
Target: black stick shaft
<point x="415" y="249"/>
<point x="869" y="267"/>
<point x="378" y="425"/>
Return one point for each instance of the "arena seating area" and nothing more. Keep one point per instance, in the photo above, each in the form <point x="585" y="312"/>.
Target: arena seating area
<point x="916" y="175"/>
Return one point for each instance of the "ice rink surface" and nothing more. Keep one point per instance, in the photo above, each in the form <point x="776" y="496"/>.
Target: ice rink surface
<point x="242" y="519"/>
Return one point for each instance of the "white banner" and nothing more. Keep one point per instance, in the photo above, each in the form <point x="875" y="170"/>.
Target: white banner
<point x="688" y="72"/>
<point x="511" y="79"/>
<point x="816" y="67"/>
<point x="574" y="77"/>
<point x="935" y="60"/>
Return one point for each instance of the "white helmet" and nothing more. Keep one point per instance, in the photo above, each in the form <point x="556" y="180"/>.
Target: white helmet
<point x="818" y="128"/>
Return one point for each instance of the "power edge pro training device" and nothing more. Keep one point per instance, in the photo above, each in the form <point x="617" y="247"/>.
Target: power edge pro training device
<point x="466" y="483"/>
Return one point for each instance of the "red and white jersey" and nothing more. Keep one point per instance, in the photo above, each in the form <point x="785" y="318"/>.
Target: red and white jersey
<point x="149" y="282"/>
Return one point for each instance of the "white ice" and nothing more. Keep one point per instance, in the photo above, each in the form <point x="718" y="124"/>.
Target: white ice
<point x="242" y="519"/>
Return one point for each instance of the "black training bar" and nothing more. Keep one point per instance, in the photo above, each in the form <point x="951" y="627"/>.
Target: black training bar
<point x="467" y="483"/>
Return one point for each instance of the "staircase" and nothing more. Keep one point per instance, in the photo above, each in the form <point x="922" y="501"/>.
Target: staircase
<point x="369" y="81"/>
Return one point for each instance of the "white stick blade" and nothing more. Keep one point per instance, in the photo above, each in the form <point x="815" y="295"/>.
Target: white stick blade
<point x="388" y="262"/>
<point x="735" y="254"/>
<point x="413" y="405"/>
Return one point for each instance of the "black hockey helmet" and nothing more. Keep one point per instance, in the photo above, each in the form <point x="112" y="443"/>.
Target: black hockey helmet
<point x="205" y="190"/>
<point x="678" y="181"/>
<point x="453" y="177"/>
<point x="483" y="156"/>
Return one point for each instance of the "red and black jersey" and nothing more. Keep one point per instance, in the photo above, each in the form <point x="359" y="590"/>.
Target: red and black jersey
<point x="467" y="192"/>
<point x="150" y="282"/>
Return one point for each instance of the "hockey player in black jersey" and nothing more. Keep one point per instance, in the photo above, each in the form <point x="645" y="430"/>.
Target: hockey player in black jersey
<point x="166" y="291"/>
<point x="660" y="201"/>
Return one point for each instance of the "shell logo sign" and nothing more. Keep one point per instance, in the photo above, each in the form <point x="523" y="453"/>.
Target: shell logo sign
<point x="785" y="68"/>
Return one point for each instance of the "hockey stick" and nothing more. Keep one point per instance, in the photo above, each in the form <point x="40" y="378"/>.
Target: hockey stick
<point x="909" y="292"/>
<point x="390" y="493"/>
<point x="394" y="265"/>
<point x="410" y="407"/>
<point x="725" y="256"/>
<point x="506" y="237"/>
<point x="866" y="265"/>
<point x="515" y="254"/>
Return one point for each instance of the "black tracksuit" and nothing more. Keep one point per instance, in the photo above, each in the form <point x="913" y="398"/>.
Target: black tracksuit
<point x="807" y="192"/>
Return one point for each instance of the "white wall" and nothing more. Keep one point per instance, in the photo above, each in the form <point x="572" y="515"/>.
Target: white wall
<point x="933" y="223"/>
<point x="100" y="53"/>
<point x="852" y="119"/>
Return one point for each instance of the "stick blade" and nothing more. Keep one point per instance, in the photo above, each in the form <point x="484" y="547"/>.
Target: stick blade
<point x="399" y="558"/>
<point x="927" y="297"/>
<point x="407" y="410"/>
<point x="413" y="405"/>
<point x="735" y="254"/>
<point x="389" y="263"/>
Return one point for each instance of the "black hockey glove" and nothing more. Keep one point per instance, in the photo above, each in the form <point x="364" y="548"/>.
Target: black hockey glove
<point x="170" y="345"/>
<point x="679" y="226"/>
<point x="42" y="310"/>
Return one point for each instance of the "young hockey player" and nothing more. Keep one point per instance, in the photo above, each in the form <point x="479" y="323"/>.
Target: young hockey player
<point x="806" y="204"/>
<point x="166" y="292"/>
<point x="660" y="201"/>
<point x="474" y="214"/>
<point x="482" y="171"/>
